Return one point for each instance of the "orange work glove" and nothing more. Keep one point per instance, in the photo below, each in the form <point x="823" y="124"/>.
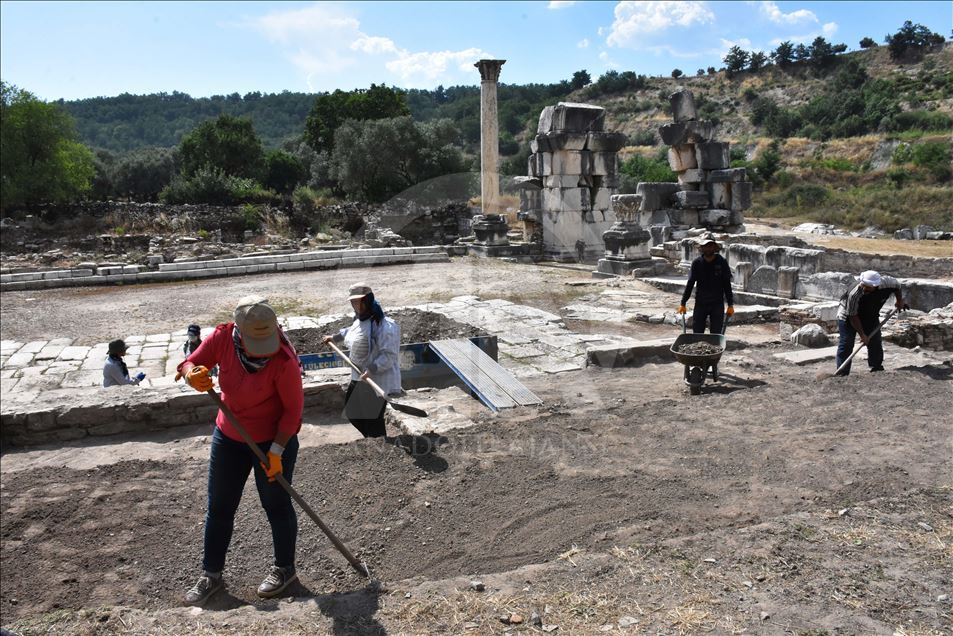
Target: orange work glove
<point x="731" y="311"/>
<point x="681" y="309"/>
<point x="198" y="379"/>
<point x="274" y="466"/>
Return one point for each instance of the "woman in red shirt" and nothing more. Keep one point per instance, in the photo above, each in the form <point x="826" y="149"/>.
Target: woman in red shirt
<point x="260" y="381"/>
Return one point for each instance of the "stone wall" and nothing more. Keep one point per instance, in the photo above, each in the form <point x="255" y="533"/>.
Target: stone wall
<point x="573" y="172"/>
<point x="92" y="226"/>
<point x="71" y="414"/>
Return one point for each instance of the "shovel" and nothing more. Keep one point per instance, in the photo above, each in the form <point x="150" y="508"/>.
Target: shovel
<point x="404" y="408"/>
<point x="822" y="375"/>
<point x="360" y="566"/>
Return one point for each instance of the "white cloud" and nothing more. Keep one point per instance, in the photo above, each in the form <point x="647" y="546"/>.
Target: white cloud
<point x="634" y="20"/>
<point x="608" y="61"/>
<point x="583" y="43"/>
<point x="560" y="4"/>
<point x="323" y="41"/>
<point x="431" y="66"/>
<point x="744" y="43"/>
<point x="828" y="30"/>
<point x="774" y="14"/>
<point x="374" y="45"/>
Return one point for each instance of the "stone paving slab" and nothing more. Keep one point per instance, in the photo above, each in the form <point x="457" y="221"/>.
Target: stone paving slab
<point x="73" y="353"/>
<point x="810" y="356"/>
<point x="33" y="347"/>
<point x="51" y="351"/>
<point x="19" y="360"/>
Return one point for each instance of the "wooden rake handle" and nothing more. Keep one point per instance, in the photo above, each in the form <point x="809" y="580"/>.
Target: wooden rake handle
<point x="355" y="563"/>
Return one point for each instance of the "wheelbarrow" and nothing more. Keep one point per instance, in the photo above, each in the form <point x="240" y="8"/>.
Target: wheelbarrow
<point x="698" y="366"/>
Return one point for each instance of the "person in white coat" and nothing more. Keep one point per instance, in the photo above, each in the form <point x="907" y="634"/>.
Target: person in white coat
<point x="373" y="342"/>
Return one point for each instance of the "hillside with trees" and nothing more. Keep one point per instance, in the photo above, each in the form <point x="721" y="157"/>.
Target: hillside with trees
<point x="846" y="137"/>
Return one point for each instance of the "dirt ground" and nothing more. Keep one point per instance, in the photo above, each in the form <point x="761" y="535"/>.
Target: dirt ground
<point x="415" y="326"/>
<point x="101" y="314"/>
<point x="774" y="503"/>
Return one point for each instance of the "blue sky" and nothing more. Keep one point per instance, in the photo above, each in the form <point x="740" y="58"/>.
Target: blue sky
<point x="73" y="50"/>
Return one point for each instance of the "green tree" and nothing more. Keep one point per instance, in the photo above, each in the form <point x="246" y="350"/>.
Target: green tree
<point x="331" y="110"/>
<point x="142" y="174"/>
<point x="783" y="56"/>
<point x="283" y="171"/>
<point x="768" y="162"/>
<point x="580" y="79"/>
<point x="912" y="41"/>
<point x="404" y="153"/>
<point x="756" y="61"/>
<point x="41" y="160"/>
<point x="228" y="144"/>
<point x="677" y="72"/>
<point x="823" y="53"/>
<point x="735" y="61"/>
<point x="868" y="43"/>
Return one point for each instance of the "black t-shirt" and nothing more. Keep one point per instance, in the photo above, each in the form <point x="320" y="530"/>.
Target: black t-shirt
<point x="713" y="279"/>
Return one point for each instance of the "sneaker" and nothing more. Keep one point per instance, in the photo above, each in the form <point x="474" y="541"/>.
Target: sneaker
<point x="875" y="369"/>
<point x="276" y="582"/>
<point x="203" y="589"/>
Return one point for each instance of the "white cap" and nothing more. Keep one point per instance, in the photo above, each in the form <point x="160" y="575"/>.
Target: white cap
<point x="870" y="277"/>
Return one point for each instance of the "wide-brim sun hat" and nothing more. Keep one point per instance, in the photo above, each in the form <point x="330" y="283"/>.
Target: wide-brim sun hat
<point x="707" y="239"/>
<point x="358" y="291"/>
<point x="258" y="325"/>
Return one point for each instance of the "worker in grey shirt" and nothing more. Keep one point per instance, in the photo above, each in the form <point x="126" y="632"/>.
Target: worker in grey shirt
<point x="859" y="315"/>
<point x="115" y="370"/>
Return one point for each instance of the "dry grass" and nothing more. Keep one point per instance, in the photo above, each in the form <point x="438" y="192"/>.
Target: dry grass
<point x="885" y="246"/>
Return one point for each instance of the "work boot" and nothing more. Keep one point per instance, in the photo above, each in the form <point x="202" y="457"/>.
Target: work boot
<point x="203" y="589"/>
<point x="276" y="582"/>
<point x="875" y="369"/>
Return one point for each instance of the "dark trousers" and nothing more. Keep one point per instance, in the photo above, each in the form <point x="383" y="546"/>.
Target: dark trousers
<point x="228" y="468"/>
<point x="365" y="409"/>
<point x="845" y="345"/>
<point x="713" y="311"/>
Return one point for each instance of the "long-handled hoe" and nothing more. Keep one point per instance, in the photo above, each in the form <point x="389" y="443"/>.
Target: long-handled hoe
<point x="823" y="374"/>
<point x="360" y="566"/>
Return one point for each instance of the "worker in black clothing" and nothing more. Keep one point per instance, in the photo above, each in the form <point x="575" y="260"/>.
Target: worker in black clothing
<point x="713" y="276"/>
<point x="859" y="315"/>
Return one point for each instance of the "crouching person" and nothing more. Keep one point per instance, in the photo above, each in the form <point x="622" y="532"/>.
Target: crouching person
<point x="260" y="382"/>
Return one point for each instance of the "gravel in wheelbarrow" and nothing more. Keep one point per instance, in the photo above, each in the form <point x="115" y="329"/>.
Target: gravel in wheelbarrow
<point x="699" y="349"/>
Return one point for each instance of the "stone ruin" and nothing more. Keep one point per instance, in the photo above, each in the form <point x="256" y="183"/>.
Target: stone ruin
<point x="565" y="201"/>
<point x="569" y="203"/>
<point x="709" y="194"/>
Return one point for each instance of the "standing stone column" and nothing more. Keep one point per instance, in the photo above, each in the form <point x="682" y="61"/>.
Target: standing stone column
<point x="489" y="136"/>
<point x="489" y="228"/>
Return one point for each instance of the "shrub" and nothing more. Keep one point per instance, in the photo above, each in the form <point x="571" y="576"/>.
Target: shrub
<point x="252" y="217"/>
<point x="833" y="163"/>
<point x="214" y="187"/>
<point x="643" y="138"/>
<point x="638" y="169"/>
<point x="934" y="156"/>
<point x="768" y="162"/>
<point x="802" y="195"/>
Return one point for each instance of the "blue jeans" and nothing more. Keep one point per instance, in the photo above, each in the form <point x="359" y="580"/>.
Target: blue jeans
<point x="713" y="311"/>
<point x="228" y="468"/>
<point x="845" y="345"/>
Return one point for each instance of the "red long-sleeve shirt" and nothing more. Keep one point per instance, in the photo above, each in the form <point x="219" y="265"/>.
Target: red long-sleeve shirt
<point x="264" y="402"/>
